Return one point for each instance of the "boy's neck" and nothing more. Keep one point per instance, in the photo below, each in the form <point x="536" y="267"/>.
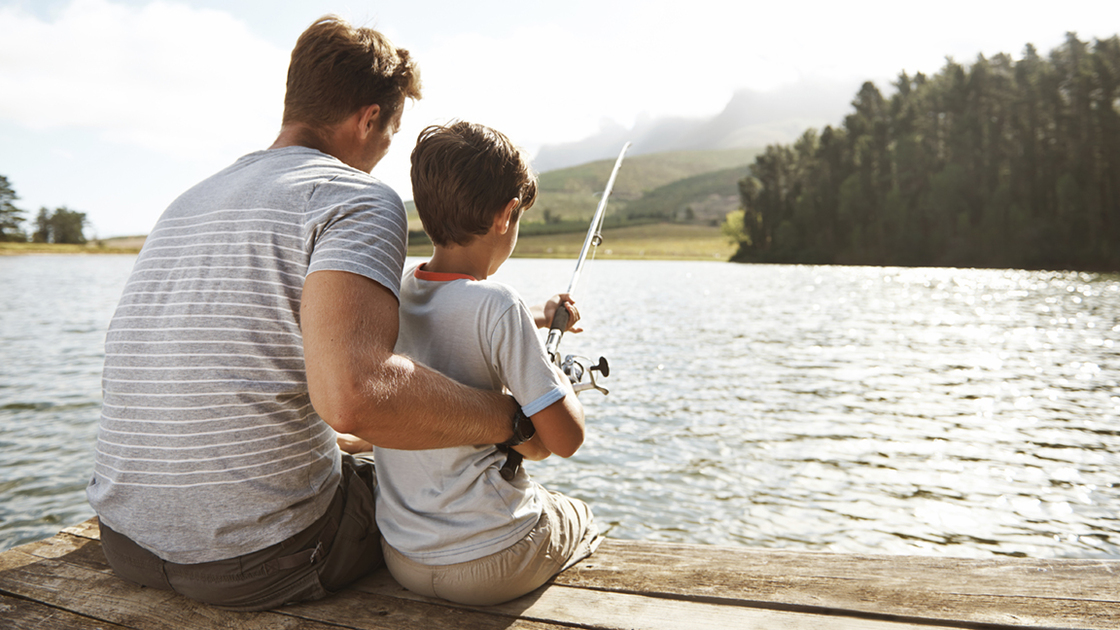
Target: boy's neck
<point x="473" y="259"/>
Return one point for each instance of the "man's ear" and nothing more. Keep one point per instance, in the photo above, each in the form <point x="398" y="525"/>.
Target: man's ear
<point x="369" y="120"/>
<point x="503" y="219"/>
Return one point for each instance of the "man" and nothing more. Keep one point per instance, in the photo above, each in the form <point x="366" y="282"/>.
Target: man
<point x="258" y="323"/>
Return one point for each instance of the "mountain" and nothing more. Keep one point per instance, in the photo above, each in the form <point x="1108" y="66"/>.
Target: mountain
<point x="751" y="119"/>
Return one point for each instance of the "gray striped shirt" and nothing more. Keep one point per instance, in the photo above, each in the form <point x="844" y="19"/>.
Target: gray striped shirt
<point x="208" y="446"/>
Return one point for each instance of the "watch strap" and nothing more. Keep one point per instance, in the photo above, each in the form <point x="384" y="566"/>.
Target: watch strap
<point x="523" y="429"/>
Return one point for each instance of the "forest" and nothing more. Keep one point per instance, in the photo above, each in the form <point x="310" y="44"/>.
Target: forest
<point x="61" y="225"/>
<point x="1004" y="163"/>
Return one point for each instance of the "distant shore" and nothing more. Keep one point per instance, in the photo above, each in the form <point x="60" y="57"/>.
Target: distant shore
<point x="122" y="245"/>
<point x="659" y="241"/>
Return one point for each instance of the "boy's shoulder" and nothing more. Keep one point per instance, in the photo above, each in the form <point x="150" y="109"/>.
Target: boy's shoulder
<point x="420" y="281"/>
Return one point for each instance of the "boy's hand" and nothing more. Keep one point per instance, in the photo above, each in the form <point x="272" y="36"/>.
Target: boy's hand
<point x="544" y="313"/>
<point x="353" y="444"/>
<point x="533" y="449"/>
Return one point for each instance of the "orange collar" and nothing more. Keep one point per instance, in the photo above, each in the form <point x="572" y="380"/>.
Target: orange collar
<point x="438" y="276"/>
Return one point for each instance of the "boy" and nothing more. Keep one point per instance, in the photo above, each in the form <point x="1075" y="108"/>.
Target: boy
<point x="452" y="526"/>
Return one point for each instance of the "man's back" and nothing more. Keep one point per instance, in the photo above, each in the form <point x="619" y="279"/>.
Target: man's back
<point x="209" y="447"/>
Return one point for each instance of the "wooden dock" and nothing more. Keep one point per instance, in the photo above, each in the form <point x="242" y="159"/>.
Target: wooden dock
<point x="65" y="583"/>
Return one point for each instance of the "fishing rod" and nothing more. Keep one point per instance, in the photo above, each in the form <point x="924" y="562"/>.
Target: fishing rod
<point x="575" y="367"/>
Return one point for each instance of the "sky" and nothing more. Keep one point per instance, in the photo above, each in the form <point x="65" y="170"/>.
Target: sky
<point x="115" y="107"/>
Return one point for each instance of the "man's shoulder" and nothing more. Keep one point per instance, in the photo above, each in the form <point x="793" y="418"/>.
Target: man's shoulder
<point x="304" y="163"/>
<point x="315" y="177"/>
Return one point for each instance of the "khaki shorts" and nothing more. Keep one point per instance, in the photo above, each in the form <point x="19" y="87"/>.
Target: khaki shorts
<point x="565" y="534"/>
<point x="340" y="547"/>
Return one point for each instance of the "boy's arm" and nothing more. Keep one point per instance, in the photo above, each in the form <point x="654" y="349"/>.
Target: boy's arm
<point x="359" y="386"/>
<point x="559" y="426"/>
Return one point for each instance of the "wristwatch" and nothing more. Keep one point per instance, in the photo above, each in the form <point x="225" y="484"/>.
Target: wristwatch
<point x="523" y="429"/>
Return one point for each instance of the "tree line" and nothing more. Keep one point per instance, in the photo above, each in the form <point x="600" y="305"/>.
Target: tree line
<point x="1001" y="164"/>
<point x="60" y="225"/>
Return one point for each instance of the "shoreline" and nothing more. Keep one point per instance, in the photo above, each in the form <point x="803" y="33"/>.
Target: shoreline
<point x="54" y="249"/>
<point x="661" y="241"/>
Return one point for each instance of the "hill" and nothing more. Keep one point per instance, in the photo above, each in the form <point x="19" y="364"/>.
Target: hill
<point x="704" y="198"/>
<point x="659" y="186"/>
<point x="698" y="187"/>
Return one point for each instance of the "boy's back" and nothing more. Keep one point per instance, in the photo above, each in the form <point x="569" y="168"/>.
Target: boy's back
<point x="452" y="526"/>
<point x="451" y="505"/>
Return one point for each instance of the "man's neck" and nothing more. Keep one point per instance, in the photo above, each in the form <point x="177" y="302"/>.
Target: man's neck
<point x="301" y="135"/>
<point x="332" y="141"/>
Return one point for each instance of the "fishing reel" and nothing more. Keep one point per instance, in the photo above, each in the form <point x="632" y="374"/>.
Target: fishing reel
<point x="576" y="367"/>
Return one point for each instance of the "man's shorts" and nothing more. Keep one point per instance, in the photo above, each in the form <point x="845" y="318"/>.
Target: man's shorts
<point x="340" y="547"/>
<point x="565" y="534"/>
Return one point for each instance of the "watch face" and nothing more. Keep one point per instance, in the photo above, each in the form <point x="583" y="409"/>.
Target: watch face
<point x="523" y="427"/>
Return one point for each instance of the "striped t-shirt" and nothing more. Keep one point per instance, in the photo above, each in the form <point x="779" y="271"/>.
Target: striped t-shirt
<point x="208" y="446"/>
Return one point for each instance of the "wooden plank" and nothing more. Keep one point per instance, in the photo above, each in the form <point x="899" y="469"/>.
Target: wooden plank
<point x="86" y="529"/>
<point x="56" y="546"/>
<point x="72" y="549"/>
<point x="356" y="609"/>
<point x="603" y="610"/>
<point x="21" y="614"/>
<point x="664" y="563"/>
<point x="1012" y="592"/>
<point x="102" y="596"/>
<point x="625" y="584"/>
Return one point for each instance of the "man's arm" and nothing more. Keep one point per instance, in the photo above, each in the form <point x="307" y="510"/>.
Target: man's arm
<point x="358" y="386"/>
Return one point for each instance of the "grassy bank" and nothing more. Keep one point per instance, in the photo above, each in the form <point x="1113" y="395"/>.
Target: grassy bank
<point x="657" y="241"/>
<point x="654" y="241"/>
<point x="103" y="247"/>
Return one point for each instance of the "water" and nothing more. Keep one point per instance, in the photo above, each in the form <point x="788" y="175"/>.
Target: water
<point x="54" y="311"/>
<point x="851" y="409"/>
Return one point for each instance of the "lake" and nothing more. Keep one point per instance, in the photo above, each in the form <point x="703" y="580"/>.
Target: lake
<point x="956" y="412"/>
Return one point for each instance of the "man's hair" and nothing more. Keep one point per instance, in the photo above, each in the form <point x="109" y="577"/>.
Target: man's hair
<point x="463" y="175"/>
<point x="337" y="69"/>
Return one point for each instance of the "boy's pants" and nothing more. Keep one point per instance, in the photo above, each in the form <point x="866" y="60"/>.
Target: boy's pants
<point x="340" y="547"/>
<point x="565" y="534"/>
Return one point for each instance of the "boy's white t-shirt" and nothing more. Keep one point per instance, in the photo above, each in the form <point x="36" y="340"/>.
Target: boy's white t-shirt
<point x="450" y="505"/>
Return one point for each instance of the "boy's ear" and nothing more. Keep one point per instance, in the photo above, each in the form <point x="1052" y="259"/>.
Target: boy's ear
<point x="504" y="218"/>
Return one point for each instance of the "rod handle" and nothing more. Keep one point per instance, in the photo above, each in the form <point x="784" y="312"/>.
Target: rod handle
<point x="560" y="318"/>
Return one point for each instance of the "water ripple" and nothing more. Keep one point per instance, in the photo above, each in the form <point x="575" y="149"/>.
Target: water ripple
<point x="860" y="410"/>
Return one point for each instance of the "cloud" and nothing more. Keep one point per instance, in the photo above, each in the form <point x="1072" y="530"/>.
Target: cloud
<point x="193" y="83"/>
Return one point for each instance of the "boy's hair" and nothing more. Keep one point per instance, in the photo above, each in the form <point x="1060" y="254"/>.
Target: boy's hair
<point x="463" y="175"/>
<point x="337" y="69"/>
